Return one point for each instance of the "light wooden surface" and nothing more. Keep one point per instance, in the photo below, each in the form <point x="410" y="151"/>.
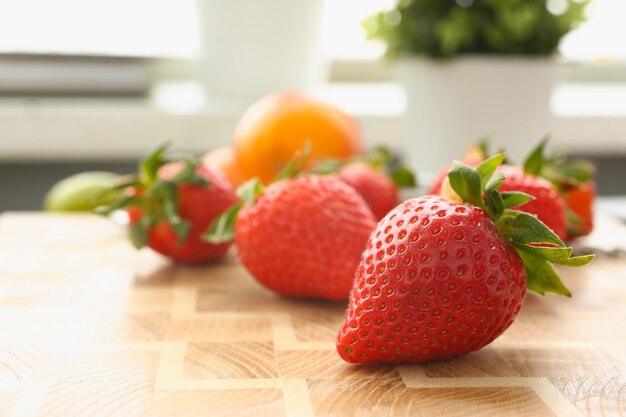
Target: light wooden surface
<point x="89" y="327"/>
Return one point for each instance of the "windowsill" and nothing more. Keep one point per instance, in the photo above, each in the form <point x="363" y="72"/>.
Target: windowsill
<point x="589" y="118"/>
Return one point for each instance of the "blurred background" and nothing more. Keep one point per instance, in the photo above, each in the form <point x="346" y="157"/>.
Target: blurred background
<point x="93" y="84"/>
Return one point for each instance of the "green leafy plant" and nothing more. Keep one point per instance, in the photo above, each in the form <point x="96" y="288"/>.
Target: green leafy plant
<point x="447" y="28"/>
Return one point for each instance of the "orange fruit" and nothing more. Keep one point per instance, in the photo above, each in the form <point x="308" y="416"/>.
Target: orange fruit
<point x="223" y="159"/>
<point x="273" y="128"/>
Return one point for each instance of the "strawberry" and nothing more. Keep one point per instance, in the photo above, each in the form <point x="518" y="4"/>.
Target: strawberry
<point x="300" y="237"/>
<point x="440" y="279"/>
<point x="377" y="177"/>
<point x="376" y="188"/>
<point x="580" y="200"/>
<point x="573" y="180"/>
<point x="171" y="204"/>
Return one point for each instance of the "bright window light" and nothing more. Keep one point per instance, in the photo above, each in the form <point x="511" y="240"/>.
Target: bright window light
<point x="99" y="27"/>
<point x="169" y="28"/>
<point x="602" y="36"/>
<point x="342" y="34"/>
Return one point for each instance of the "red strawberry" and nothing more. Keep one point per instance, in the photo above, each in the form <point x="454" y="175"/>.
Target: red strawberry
<point x="304" y="237"/>
<point x="376" y="188"/>
<point x="172" y="204"/>
<point x="580" y="200"/>
<point x="547" y="205"/>
<point x="439" y="279"/>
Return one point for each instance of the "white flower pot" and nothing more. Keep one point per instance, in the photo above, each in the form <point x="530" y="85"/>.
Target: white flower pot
<point x="253" y="47"/>
<point x="451" y="104"/>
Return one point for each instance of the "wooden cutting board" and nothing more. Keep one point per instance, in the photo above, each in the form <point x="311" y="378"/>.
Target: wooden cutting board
<point x="89" y="327"/>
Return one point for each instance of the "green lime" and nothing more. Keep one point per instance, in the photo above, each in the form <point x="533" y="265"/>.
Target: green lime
<point x="82" y="192"/>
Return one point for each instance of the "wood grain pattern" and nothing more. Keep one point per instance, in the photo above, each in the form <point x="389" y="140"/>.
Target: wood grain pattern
<point x="374" y="397"/>
<point x="90" y="327"/>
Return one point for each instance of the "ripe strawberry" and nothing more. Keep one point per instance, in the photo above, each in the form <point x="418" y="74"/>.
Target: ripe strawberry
<point x="301" y="237"/>
<point x="439" y="279"/>
<point x="377" y="177"/>
<point x="376" y="188"/>
<point x="304" y="237"/>
<point x="574" y="182"/>
<point x="170" y="205"/>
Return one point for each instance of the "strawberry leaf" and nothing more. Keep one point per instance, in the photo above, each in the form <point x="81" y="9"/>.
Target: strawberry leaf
<point x="578" y="171"/>
<point x="486" y="169"/>
<point x="495" y="182"/>
<point x="563" y="174"/>
<point x="189" y="174"/>
<point x="121" y="183"/>
<point x="557" y="255"/>
<point x="138" y="232"/>
<point x="327" y="166"/>
<point x="522" y="229"/>
<point x="125" y="201"/>
<point x="222" y="229"/>
<point x="150" y="165"/>
<point x="382" y="159"/>
<point x="167" y="195"/>
<point x="379" y="158"/>
<point x="535" y="161"/>
<point x="574" y="223"/>
<point x="295" y="166"/>
<point x="495" y="205"/>
<point x="541" y="276"/>
<point x="250" y="190"/>
<point x="466" y="182"/>
<point x="402" y="177"/>
<point x="515" y="198"/>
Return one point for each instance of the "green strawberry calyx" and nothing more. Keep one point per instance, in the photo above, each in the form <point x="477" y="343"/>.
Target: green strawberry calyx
<point x="537" y="245"/>
<point x="381" y="159"/>
<point x="564" y="174"/>
<point x="157" y="199"/>
<point x="223" y="228"/>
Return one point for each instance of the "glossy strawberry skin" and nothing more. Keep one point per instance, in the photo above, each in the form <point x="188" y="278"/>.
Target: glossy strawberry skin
<point x="200" y="206"/>
<point x="581" y="200"/>
<point x="376" y="188"/>
<point x="435" y="281"/>
<point x="548" y="206"/>
<point x="304" y="237"/>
